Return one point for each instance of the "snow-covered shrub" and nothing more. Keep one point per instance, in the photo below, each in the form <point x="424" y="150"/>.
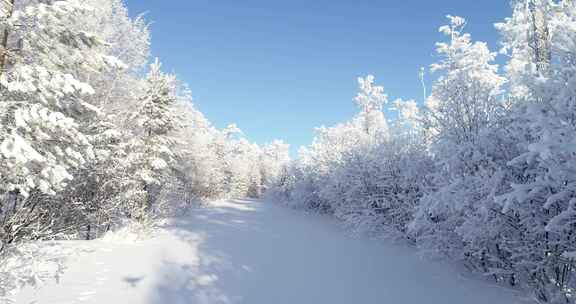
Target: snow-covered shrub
<point x="365" y="172"/>
<point x="539" y="198"/>
<point x="487" y="177"/>
<point x="29" y="264"/>
<point x="464" y="104"/>
<point x="383" y="187"/>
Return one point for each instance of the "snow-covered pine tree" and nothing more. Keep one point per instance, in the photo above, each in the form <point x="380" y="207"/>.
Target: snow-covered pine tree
<point x="150" y="151"/>
<point x="40" y="140"/>
<point x="99" y="187"/>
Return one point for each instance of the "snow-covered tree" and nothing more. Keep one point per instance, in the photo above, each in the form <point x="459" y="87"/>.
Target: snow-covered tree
<point x="539" y="196"/>
<point x="463" y="118"/>
<point x="483" y="173"/>
<point x="466" y="96"/>
<point x="150" y="151"/>
<point x="86" y="143"/>
<point x="371" y="100"/>
<point x="274" y="160"/>
<point x="525" y="39"/>
<point x="42" y="142"/>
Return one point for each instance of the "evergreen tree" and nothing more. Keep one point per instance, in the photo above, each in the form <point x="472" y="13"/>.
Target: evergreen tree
<point x="150" y="152"/>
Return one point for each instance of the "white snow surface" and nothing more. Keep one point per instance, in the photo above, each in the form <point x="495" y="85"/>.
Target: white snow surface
<point x="257" y="252"/>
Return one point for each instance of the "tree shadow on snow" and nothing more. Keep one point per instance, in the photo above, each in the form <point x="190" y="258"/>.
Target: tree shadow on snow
<point x="220" y="234"/>
<point x="252" y="252"/>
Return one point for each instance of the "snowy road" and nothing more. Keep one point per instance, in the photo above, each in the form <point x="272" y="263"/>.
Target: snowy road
<point x="257" y="253"/>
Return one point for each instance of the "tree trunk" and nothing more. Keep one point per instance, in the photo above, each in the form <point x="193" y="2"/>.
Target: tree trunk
<point x="5" y="35"/>
<point x="148" y="201"/>
<point x="540" y="36"/>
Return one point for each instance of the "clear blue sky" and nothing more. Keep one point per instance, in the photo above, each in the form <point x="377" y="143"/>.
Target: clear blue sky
<point x="281" y="68"/>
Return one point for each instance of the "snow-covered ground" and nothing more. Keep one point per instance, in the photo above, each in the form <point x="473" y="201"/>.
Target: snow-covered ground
<point x="257" y="253"/>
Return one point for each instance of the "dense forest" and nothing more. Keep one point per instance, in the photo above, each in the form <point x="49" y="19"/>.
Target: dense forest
<point x="92" y="136"/>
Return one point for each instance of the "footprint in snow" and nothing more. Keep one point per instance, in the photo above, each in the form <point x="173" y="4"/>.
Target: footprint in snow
<point x="133" y="281"/>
